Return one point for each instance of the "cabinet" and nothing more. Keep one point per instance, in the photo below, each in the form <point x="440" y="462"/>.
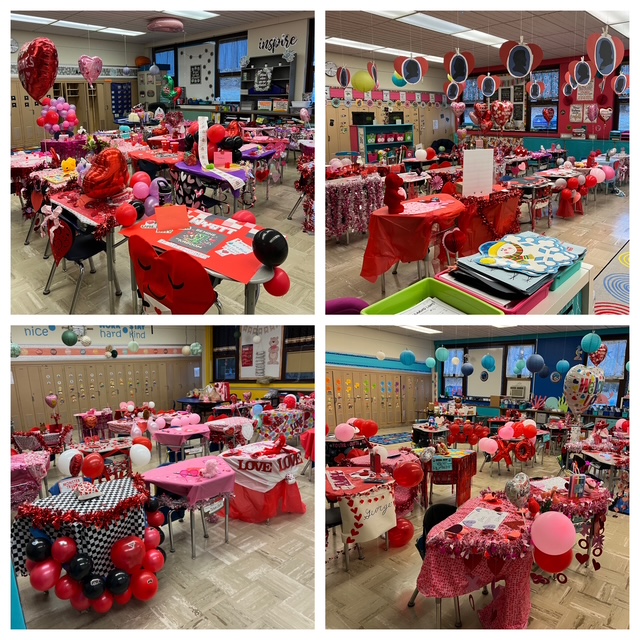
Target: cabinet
<point x="150" y="85"/>
<point x="267" y="78"/>
<point x="367" y="140"/>
<point x="25" y="132"/>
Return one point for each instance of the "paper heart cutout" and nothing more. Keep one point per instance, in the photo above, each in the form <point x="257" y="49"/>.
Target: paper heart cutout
<point x="36" y="200"/>
<point x="354" y="532"/>
<point x="358" y="525"/>
<point x="358" y="517"/>
<point x="605" y="114"/>
<point x="455" y="529"/>
<point x="495" y="565"/>
<point x="472" y="562"/>
<point x="90" y="68"/>
<point x="355" y="510"/>
<point x="596" y="564"/>
<point x="582" y="558"/>
<point x="108" y="175"/>
<point x="62" y="243"/>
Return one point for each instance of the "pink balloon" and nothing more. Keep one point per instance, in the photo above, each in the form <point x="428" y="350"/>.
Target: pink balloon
<point x="553" y="533"/>
<point x="152" y="427"/>
<point x="123" y="406"/>
<point x="506" y="433"/>
<point x="184" y="421"/>
<point x="509" y="424"/>
<point x="136" y="432"/>
<point x="576" y="196"/>
<point x="140" y="190"/>
<point x="620" y="424"/>
<point x="533" y="441"/>
<point x="609" y="172"/>
<point x="194" y="418"/>
<point x="598" y="174"/>
<point x="161" y="422"/>
<point x="487" y="445"/>
<point x="344" y="432"/>
<point x="175" y="422"/>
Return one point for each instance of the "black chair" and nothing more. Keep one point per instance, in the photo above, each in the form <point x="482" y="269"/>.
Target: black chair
<point x="434" y="515"/>
<point x="333" y="519"/>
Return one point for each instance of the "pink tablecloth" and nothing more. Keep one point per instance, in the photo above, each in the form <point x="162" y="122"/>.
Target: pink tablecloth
<point x="107" y="447"/>
<point x="177" y="436"/>
<point x="184" y="479"/>
<point x="31" y="466"/>
<point x="445" y="573"/>
<point x="125" y="426"/>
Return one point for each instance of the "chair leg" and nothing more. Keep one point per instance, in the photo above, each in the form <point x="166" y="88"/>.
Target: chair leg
<point x="192" y="522"/>
<point x="47" y="288"/>
<point x="46" y="254"/>
<point x="412" y="601"/>
<point x="386" y="541"/>
<point x="438" y="613"/>
<point x="118" y="290"/>
<point x="346" y="557"/>
<point x="171" y="547"/>
<point x="93" y="266"/>
<point x="204" y="523"/>
<point x="77" y="291"/>
<point x="456" y="606"/>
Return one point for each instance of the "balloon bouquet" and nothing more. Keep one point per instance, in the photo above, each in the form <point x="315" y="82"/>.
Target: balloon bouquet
<point x="57" y="116"/>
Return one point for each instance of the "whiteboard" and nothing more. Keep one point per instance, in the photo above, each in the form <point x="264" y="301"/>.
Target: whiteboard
<point x="493" y="386"/>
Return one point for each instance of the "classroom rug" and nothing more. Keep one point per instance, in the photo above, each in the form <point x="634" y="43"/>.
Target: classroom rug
<point x="391" y="438"/>
<point x="612" y="285"/>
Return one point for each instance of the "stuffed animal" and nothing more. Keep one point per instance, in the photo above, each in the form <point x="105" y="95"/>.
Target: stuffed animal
<point x="393" y="196"/>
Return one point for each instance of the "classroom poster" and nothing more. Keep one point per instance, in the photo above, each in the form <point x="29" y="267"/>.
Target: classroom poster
<point x="261" y="352"/>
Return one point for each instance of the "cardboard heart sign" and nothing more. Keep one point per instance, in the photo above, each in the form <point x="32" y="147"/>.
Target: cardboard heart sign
<point x="548" y="114"/>
<point x="36" y="200"/>
<point x="61" y="244"/>
<point x="108" y="175"/>
<point x="597" y="357"/>
<point x="38" y="67"/>
<point x="90" y="68"/>
<point x="605" y="114"/>
<point x="592" y="112"/>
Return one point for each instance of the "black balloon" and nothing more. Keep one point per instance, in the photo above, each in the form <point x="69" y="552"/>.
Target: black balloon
<point x="270" y="247"/>
<point x="93" y="586"/>
<point x="152" y="504"/>
<point x="80" y="567"/>
<point x="161" y="532"/>
<point x="189" y="141"/>
<point x="236" y="155"/>
<point x="163" y="552"/>
<point x="118" y="581"/>
<point x="38" y="549"/>
<point x="139" y="207"/>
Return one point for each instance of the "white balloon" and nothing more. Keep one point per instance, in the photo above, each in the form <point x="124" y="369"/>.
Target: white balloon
<point x="139" y="455"/>
<point x="130" y="407"/>
<point x="152" y="405"/>
<point x="529" y="421"/>
<point x="65" y="460"/>
<point x="421" y="154"/>
<point x="382" y="452"/>
<point x="380" y="355"/>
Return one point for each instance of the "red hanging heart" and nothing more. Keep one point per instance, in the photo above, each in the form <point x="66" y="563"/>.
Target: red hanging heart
<point x="495" y="565"/>
<point x="38" y="67"/>
<point x="596" y="564"/>
<point x="472" y="562"/>
<point x="582" y="558"/>
<point x="548" y="113"/>
<point x="62" y="241"/>
<point x="36" y="200"/>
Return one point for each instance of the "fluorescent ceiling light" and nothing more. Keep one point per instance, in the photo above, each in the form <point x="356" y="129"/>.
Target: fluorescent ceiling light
<point x="481" y="37"/>
<point x="433" y="24"/>
<point x="507" y="324"/>
<point x="611" y="17"/>
<point x="400" y="52"/>
<point x="390" y="14"/>
<point x="194" y="15"/>
<point x="18" y="17"/>
<point x="122" y="32"/>
<point x="341" y="42"/>
<point x="77" y="25"/>
<point x="420" y="329"/>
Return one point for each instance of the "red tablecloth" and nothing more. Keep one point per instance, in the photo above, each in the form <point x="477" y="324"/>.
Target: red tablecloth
<point x="335" y="451"/>
<point x="308" y="442"/>
<point x="446" y="572"/>
<point x="462" y="472"/>
<point x="405" y="238"/>
<point x="125" y="426"/>
<point x="156" y="156"/>
<point x="155" y="142"/>
<point x="184" y="479"/>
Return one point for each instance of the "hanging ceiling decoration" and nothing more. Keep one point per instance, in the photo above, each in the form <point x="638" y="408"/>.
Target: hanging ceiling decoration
<point x="488" y="85"/>
<point x="535" y="89"/>
<point x="166" y="25"/>
<point x="453" y="90"/>
<point x="343" y="76"/>
<point x="520" y="58"/>
<point x="412" y="70"/>
<point x="620" y="84"/>
<point x="605" y="51"/>
<point x="373" y="72"/>
<point x="459" y="65"/>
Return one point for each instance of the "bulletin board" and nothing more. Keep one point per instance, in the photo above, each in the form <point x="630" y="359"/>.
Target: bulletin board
<point x="493" y="385"/>
<point x="261" y="358"/>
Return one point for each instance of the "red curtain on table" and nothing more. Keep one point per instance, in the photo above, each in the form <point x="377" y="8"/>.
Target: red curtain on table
<point x="254" y="506"/>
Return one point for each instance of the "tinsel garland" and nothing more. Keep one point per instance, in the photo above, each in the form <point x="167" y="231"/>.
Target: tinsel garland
<point x="175" y="503"/>
<point x="51" y="449"/>
<point x="306" y="186"/>
<point x="57" y="518"/>
<point x="481" y="204"/>
<point x="350" y="203"/>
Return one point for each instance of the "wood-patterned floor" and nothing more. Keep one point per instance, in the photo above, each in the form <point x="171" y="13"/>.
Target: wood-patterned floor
<point x="375" y="593"/>
<point x="29" y="272"/>
<point x="603" y="230"/>
<point x="262" y="579"/>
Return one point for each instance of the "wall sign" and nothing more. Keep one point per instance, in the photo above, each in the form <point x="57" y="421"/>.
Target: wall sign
<point x="261" y="358"/>
<point x="195" y="74"/>
<point x="285" y="41"/>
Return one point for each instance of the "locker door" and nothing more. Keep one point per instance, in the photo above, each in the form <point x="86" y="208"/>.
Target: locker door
<point x="53" y="381"/>
<point x="16" y="409"/>
<point x="330" y="399"/>
<point x="337" y="119"/>
<point x="339" y="388"/>
<point x="375" y="397"/>
<point x="142" y="390"/>
<point x="159" y="385"/>
<point x="385" y="388"/>
<point x="25" y="395"/>
<point x="357" y="395"/>
<point x="349" y="395"/>
<point x="72" y="404"/>
<point x="113" y="382"/>
<point x="408" y="386"/>
<point x="397" y="400"/>
<point x="130" y="383"/>
<point x="366" y="396"/>
<point x="92" y="392"/>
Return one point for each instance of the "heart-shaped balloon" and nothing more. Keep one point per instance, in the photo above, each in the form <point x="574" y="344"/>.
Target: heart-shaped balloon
<point x="592" y="112"/>
<point x="582" y="386"/>
<point x="605" y="114"/>
<point x="458" y="108"/>
<point x="474" y="118"/>
<point x="480" y="109"/>
<point x="51" y="400"/>
<point x="597" y="357"/>
<point x="548" y="114"/>
<point x="518" y="490"/>
<point x="501" y="111"/>
<point x="486" y="125"/>
<point x="462" y="134"/>
<point x="38" y="67"/>
<point x="109" y="174"/>
<point x="90" y="68"/>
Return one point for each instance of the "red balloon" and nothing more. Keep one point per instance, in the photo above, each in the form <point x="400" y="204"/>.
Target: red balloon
<point x="216" y="133"/>
<point x="625" y="426"/>
<point x="401" y="534"/>
<point x="40" y="121"/>
<point x="591" y="181"/>
<point x="67" y="587"/>
<point x="140" y="176"/>
<point x="518" y="430"/>
<point x="126" y="214"/>
<point x="572" y="183"/>
<point x="369" y="428"/>
<point x="408" y="474"/>
<point x="75" y="465"/>
<point x="38" y="67"/>
<point x="193" y="128"/>
<point x="211" y="149"/>
<point x="108" y="175"/>
<point x="45" y="574"/>
<point x="152" y="538"/>
<point x="356" y="453"/>
<point x="93" y="466"/>
<point x="29" y="564"/>
<point x="553" y="564"/>
<point x="64" y="549"/>
<point x="144" y="585"/>
<point x="103" y="604"/>
<point x="125" y="597"/>
<point x="290" y="403"/>
<point x="460" y="438"/>
<point x="279" y="285"/>
<point x="153" y="560"/>
<point x="467" y="429"/>
<point x="244" y="216"/>
<point x="566" y="194"/>
<point x="530" y="431"/>
<point x="473" y="440"/>
<point x="47" y="101"/>
<point x="143" y="441"/>
<point x="127" y="554"/>
<point x="80" y="602"/>
<point x="52" y="117"/>
<point x="155" y="519"/>
<point x="485" y="432"/>
<point x="431" y="153"/>
<point x="451" y="439"/>
<point x="454" y="429"/>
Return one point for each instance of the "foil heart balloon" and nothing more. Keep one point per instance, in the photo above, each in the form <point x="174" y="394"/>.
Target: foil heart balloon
<point x="38" y="67"/>
<point x="597" y="357"/>
<point x="90" y="68"/>
<point x="458" y="108"/>
<point x="501" y="111"/>
<point x="486" y="125"/>
<point x="592" y="112"/>
<point x="108" y="175"/>
<point x="605" y="114"/>
<point x="51" y="400"/>
<point x="518" y="490"/>
<point x="582" y="386"/>
<point x="480" y="109"/>
<point x="462" y="134"/>
<point x="548" y="114"/>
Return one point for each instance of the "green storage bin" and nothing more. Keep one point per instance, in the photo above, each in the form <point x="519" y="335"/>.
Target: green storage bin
<point x="430" y="288"/>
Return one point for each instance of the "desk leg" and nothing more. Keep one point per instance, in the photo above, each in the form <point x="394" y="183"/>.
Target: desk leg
<point x="250" y="298"/>
<point x="192" y="522"/>
<point x="134" y="288"/>
<point x="159" y="453"/>
<point x="227" y="503"/>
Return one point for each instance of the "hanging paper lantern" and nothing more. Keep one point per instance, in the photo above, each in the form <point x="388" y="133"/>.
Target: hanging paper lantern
<point x="488" y="361"/>
<point x="605" y="51"/>
<point x="380" y="355"/>
<point x="133" y="347"/>
<point x="85" y="341"/>
<point x="15" y="350"/>
<point x="520" y="365"/>
<point x="466" y="369"/>
<point x="373" y="72"/>
<point x="535" y="362"/>
<point x="488" y="85"/>
<point x="442" y="354"/>
<point x="562" y="366"/>
<point x="362" y="81"/>
<point x="186" y="350"/>
<point x="520" y="58"/>
<point x="196" y="349"/>
<point x="431" y="363"/>
<point x="408" y="358"/>
<point x="69" y="337"/>
<point x="459" y="65"/>
<point x="626" y="366"/>
<point x="455" y="361"/>
<point x="591" y="342"/>
<point x="343" y="76"/>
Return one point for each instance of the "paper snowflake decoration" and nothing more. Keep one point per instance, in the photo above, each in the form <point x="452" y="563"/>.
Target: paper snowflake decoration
<point x="289" y="55"/>
<point x="244" y="61"/>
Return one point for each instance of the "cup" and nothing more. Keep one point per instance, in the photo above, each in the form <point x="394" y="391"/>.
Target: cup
<point x="165" y="145"/>
<point x="174" y="147"/>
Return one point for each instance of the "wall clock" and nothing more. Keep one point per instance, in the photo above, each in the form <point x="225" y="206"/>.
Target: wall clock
<point x="330" y="69"/>
<point x="14" y="45"/>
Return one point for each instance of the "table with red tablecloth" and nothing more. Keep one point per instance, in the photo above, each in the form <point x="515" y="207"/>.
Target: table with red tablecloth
<point x="53" y="440"/>
<point x="242" y="409"/>
<point x="266" y="483"/>
<point x="23" y="164"/>
<point x="101" y="428"/>
<point x="456" y="565"/>
<point x="155" y="156"/>
<point x="308" y="442"/>
<point x="463" y="468"/>
<point x="228" y="431"/>
<point x="405" y="237"/>
<point x="336" y="451"/>
<point x="28" y="470"/>
<point x="155" y="142"/>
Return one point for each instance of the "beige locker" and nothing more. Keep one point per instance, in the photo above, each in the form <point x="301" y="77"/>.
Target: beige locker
<point x="92" y="389"/>
<point x="25" y="132"/>
<point x="330" y="413"/>
<point x="385" y="387"/>
<point x="28" y="386"/>
<point x="338" y="120"/>
<point x="358" y="411"/>
<point x="397" y="400"/>
<point x="408" y="397"/>
<point x="340" y="395"/>
<point x="366" y="395"/>
<point x="72" y="372"/>
<point x="375" y="398"/>
<point x="349" y="395"/>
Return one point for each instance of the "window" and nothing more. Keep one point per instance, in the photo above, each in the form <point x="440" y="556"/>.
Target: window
<point x="623" y="104"/>
<point x="167" y="56"/>
<point x="230" y="52"/>
<point x="516" y="353"/>
<point x="614" y="372"/>
<point x="452" y="374"/>
<point x="452" y="387"/>
<point x="225" y="369"/>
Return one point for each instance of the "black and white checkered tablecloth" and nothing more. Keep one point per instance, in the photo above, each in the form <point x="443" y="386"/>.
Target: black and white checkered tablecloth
<point x="93" y="541"/>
